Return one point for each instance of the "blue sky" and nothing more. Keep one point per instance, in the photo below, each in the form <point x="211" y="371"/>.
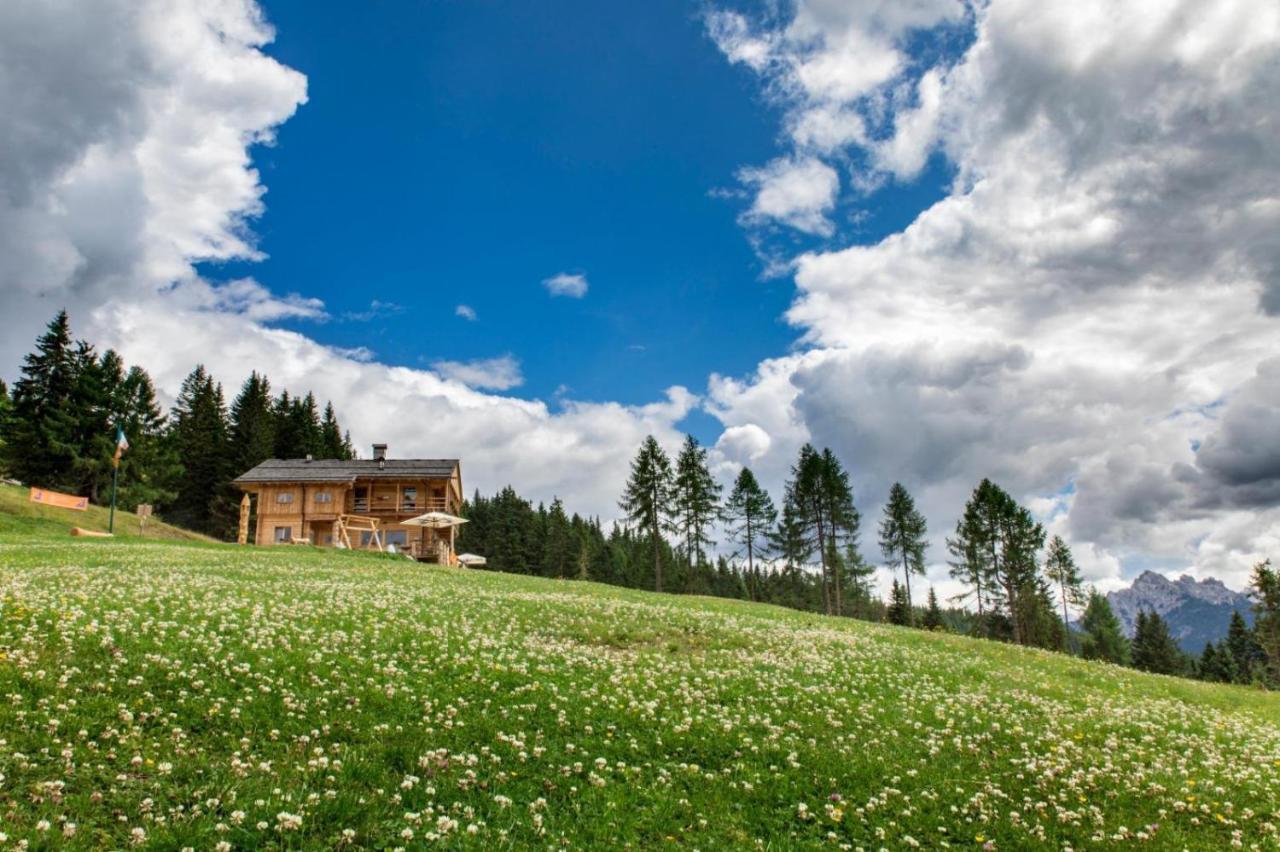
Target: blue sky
<point x="463" y="152"/>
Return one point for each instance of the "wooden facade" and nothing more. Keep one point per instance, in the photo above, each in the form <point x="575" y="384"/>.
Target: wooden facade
<point x="297" y="501"/>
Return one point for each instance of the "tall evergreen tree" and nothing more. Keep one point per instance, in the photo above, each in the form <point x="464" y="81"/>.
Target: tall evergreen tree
<point x="1153" y="648"/>
<point x="150" y="470"/>
<point x="558" y="545"/>
<point x="334" y="444"/>
<point x="1265" y="590"/>
<point x="844" y="520"/>
<point x="971" y="561"/>
<point x="6" y="406"/>
<point x="1103" y="637"/>
<point x="1060" y="568"/>
<point x="41" y="438"/>
<point x="899" y="611"/>
<point x="696" y="501"/>
<point x="1242" y="649"/>
<point x="95" y="398"/>
<point x="933" y="614"/>
<point x="750" y="515"/>
<point x="253" y="424"/>
<point x="647" y="499"/>
<point x="288" y="436"/>
<point x="199" y="435"/>
<point x="902" y="537"/>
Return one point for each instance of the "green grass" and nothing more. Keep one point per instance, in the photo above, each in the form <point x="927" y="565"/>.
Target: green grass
<point x="19" y="516"/>
<point x="205" y="694"/>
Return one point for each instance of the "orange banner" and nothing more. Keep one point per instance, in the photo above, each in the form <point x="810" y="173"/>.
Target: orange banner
<point x="62" y="501"/>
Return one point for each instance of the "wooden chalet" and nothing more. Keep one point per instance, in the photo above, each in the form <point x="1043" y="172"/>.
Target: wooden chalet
<point x="358" y="504"/>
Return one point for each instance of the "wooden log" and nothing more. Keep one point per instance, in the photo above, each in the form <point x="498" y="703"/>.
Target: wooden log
<point x="78" y="531"/>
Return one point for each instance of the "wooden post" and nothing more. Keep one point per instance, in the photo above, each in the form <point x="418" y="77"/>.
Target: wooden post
<point x="242" y="537"/>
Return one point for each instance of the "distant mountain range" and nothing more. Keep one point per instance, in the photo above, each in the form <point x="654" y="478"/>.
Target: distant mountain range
<point x="1197" y="611"/>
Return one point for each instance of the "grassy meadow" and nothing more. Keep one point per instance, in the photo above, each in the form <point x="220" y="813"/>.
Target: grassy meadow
<point x="20" y="517"/>
<point x="171" y="695"/>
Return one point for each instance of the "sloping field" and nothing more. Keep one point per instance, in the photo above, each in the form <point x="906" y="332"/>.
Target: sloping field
<point x="19" y="516"/>
<point x="212" y="697"/>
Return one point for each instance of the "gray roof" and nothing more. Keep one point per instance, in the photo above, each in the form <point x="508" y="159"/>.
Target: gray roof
<point x="332" y="470"/>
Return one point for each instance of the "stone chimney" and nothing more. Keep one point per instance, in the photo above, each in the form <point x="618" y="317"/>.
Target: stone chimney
<point x="379" y="452"/>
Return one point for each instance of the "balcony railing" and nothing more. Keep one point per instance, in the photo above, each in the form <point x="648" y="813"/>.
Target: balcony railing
<point x="418" y="506"/>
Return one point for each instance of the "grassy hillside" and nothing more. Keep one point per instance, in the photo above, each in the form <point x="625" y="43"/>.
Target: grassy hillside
<point x="19" y="516"/>
<point x="179" y="695"/>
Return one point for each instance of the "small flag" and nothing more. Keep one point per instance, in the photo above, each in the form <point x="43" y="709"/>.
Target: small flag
<point x="122" y="444"/>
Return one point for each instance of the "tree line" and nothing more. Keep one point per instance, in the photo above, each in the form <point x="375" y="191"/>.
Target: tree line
<point x="58" y="430"/>
<point x="1018" y="584"/>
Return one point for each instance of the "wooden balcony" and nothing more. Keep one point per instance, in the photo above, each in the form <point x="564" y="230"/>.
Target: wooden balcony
<point x="378" y="507"/>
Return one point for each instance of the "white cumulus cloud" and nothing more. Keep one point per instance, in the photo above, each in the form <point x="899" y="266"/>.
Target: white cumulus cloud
<point x="573" y="285"/>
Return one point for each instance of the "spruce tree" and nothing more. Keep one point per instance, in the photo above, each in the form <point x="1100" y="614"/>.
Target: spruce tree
<point x="6" y="406"/>
<point x="1265" y="590"/>
<point x="902" y="537"/>
<point x="1060" y="568"/>
<point x="695" y="501"/>
<point x="288" y="437"/>
<point x="750" y="515"/>
<point x="41" y="438"/>
<point x="95" y="396"/>
<point x="844" y="520"/>
<point x="1103" y="637"/>
<point x="334" y="445"/>
<point x="971" y="561"/>
<point x="1241" y="648"/>
<point x="253" y="424"/>
<point x="933" y="614"/>
<point x="1153" y="648"/>
<point x="647" y="499"/>
<point x="150" y="470"/>
<point x="558" y="555"/>
<point x="199" y="434"/>
<point x="899" y="611"/>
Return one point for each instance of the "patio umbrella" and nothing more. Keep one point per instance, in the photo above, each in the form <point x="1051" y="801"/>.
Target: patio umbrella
<point x="436" y="521"/>
<point x="469" y="559"/>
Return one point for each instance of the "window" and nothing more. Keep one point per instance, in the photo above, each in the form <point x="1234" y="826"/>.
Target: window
<point x="284" y="497"/>
<point x="324" y="497"/>
<point x="410" y="498"/>
<point x="284" y="534"/>
<point x="397" y="537"/>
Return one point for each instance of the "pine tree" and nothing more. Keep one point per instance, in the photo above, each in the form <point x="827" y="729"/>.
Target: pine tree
<point x="1060" y="568"/>
<point x="199" y="436"/>
<point x="823" y="500"/>
<point x="150" y="470"/>
<point x="647" y="498"/>
<point x="902" y="537"/>
<point x="933" y="615"/>
<point x="1103" y="637"/>
<point x="1241" y="648"/>
<point x="253" y="424"/>
<point x="332" y="441"/>
<point x="41" y="441"/>
<point x="750" y="514"/>
<point x="696" y="501"/>
<point x="844" y="520"/>
<point x="95" y="395"/>
<point x="1265" y="590"/>
<point x="995" y="547"/>
<point x="288" y="438"/>
<point x="971" y="561"/>
<point x="899" y="611"/>
<point x="6" y="407"/>
<point x="558" y="545"/>
<point x="1153" y="648"/>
